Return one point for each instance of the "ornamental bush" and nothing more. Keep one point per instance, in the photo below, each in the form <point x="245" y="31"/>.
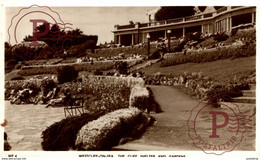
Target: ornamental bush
<point x="47" y="85"/>
<point x="66" y="74"/>
<point x="106" y="131"/>
<point x="121" y="67"/>
<point x="223" y="91"/>
<point x="139" y="98"/>
<point x="61" y="135"/>
<point x="221" y="37"/>
<point x="189" y="37"/>
<point x="17" y="78"/>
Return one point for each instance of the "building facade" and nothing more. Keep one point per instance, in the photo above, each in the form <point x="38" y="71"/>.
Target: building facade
<point x="210" y="21"/>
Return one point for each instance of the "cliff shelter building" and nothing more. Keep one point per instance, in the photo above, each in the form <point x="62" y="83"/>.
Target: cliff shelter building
<point x="210" y="21"/>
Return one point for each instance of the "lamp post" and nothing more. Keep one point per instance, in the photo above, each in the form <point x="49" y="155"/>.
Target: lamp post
<point x="148" y="43"/>
<point x="169" y="40"/>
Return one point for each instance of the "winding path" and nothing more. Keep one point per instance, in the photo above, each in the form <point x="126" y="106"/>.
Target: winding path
<point x="170" y="132"/>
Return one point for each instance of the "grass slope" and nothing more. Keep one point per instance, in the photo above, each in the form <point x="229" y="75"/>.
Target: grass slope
<point x="222" y="70"/>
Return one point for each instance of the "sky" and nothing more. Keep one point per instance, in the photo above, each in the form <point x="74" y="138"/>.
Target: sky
<point x="91" y="20"/>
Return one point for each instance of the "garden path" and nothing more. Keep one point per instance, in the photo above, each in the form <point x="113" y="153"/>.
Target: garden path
<point x="26" y="123"/>
<point x="170" y="132"/>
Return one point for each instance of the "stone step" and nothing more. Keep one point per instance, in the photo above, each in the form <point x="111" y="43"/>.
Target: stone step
<point x="248" y="93"/>
<point x="251" y="100"/>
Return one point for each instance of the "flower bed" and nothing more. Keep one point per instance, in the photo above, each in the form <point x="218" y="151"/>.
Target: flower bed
<point x="202" y="87"/>
<point x="83" y="66"/>
<point x="106" y="131"/>
<point x="106" y="94"/>
<point x="102" y="93"/>
<point x="138" y="49"/>
<point x="207" y="55"/>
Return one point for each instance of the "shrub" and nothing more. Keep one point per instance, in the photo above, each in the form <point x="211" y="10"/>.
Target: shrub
<point x="223" y="91"/>
<point x="106" y="131"/>
<point x="234" y="32"/>
<point x="80" y="49"/>
<point x="245" y="34"/>
<point x="248" y="50"/>
<point x="47" y="85"/>
<point x="97" y="72"/>
<point x="101" y="66"/>
<point x="17" y="78"/>
<point x="139" y="98"/>
<point x="155" y="54"/>
<point x="36" y="71"/>
<point x="43" y="69"/>
<point x="153" y="104"/>
<point x="10" y="64"/>
<point x="189" y="37"/>
<point x="221" y="37"/>
<point x="128" y="50"/>
<point x="24" y="51"/>
<point x="121" y="67"/>
<point x="61" y="136"/>
<point x="35" y="89"/>
<point x="66" y="74"/>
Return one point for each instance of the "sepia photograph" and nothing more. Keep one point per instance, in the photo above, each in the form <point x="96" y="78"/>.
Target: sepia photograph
<point x="130" y="78"/>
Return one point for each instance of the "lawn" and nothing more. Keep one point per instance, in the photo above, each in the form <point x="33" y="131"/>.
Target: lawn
<point x="221" y="70"/>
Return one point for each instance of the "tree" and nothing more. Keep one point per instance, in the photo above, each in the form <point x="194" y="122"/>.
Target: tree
<point x="59" y="40"/>
<point x="174" y="12"/>
<point x="7" y="45"/>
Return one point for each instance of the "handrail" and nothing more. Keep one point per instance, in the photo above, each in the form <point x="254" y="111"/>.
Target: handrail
<point x="178" y="20"/>
<point x="207" y="15"/>
<point x="126" y="26"/>
<point x="192" y="18"/>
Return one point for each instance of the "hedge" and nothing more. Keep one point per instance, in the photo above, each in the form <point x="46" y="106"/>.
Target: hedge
<point x="61" y="135"/>
<point x="208" y="55"/>
<point x="106" y="131"/>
